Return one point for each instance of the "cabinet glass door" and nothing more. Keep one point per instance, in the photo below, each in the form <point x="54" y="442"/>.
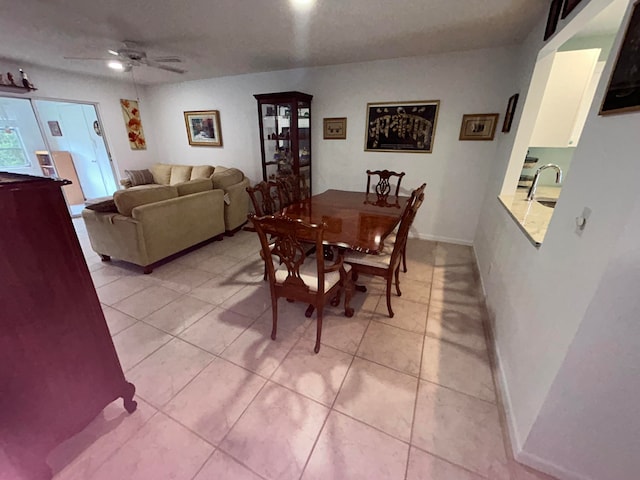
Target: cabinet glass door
<point x="276" y="122"/>
<point x="304" y="141"/>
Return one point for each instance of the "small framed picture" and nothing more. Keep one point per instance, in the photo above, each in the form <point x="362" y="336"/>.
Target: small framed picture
<point x="623" y="91"/>
<point x="569" y="5"/>
<point x="54" y="126"/>
<point x="335" y="128"/>
<point x="552" y="19"/>
<point x="478" y="126"/>
<point x="511" y="110"/>
<point x="203" y="128"/>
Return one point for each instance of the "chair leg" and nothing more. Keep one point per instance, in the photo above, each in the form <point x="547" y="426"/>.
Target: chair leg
<point x="398" y="281"/>
<point x="318" y="328"/>
<point x="389" y="282"/>
<point x="348" y="293"/>
<point x="274" y="313"/>
<point x="404" y="259"/>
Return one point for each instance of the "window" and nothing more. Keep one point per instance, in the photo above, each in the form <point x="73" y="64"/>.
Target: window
<point x="12" y="153"/>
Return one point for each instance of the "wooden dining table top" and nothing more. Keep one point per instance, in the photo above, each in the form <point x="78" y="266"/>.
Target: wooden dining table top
<point x="354" y="220"/>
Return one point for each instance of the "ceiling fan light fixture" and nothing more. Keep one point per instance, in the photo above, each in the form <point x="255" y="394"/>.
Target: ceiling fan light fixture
<point x="114" y="64"/>
<point x="113" y="52"/>
<point x="302" y="5"/>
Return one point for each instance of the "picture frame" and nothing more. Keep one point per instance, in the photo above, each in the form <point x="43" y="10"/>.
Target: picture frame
<point x="478" y="126"/>
<point x="54" y="127"/>
<point x="133" y="124"/>
<point x="511" y="110"/>
<point x="401" y="127"/>
<point x="553" y="18"/>
<point x="203" y="128"/>
<point x="623" y="91"/>
<point x="568" y="7"/>
<point x="334" y="128"/>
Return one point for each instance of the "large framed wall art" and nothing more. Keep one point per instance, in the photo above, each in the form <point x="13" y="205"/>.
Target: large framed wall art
<point x="404" y="127"/>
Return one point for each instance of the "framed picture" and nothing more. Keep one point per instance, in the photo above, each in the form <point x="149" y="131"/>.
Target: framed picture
<point x="407" y="127"/>
<point x="335" y="128"/>
<point x="569" y="5"/>
<point x="623" y="91"/>
<point x="54" y="126"/>
<point x="511" y="110"/>
<point x="478" y="126"/>
<point x="552" y="19"/>
<point x="203" y="128"/>
<point x="133" y="124"/>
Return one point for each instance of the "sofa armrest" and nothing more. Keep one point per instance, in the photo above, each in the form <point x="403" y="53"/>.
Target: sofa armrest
<point x="235" y="213"/>
<point x="115" y="235"/>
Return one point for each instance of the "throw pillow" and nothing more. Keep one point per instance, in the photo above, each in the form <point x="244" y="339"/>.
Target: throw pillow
<point x="201" y="171"/>
<point x="105" y="206"/>
<point x="161" y="173"/>
<point x="139" y="177"/>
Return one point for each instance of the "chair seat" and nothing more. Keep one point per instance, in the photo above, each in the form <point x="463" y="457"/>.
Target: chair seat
<point x="382" y="260"/>
<point x="309" y="275"/>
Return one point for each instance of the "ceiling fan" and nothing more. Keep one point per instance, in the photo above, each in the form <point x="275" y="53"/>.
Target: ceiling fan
<point x="130" y="55"/>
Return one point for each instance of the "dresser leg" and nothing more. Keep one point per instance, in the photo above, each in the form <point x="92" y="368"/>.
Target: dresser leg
<point x="130" y="404"/>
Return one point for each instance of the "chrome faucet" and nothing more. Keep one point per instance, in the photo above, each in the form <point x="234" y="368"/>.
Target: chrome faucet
<point x="534" y="185"/>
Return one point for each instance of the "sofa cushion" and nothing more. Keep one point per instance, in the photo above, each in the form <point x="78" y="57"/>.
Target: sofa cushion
<point x="180" y="173"/>
<point x="194" y="186"/>
<point x="225" y="177"/>
<point x="139" y="177"/>
<point x="201" y="171"/>
<point x="161" y="173"/>
<point x="127" y="200"/>
<point x="104" y="206"/>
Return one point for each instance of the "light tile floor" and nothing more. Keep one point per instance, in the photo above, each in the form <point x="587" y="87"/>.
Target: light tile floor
<point x="410" y="397"/>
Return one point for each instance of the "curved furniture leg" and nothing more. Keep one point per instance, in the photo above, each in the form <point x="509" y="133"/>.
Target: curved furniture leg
<point x="398" y="281"/>
<point x="309" y="311"/>
<point x="274" y="313"/>
<point x="348" y="293"/>
<point x="404" y="259"/>
<point x="316" y="349"/>
<point x="130" y="404"/>
<point x="389" y="281"/>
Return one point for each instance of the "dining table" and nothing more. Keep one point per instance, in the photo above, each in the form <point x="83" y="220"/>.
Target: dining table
<point x="358" y="221"/>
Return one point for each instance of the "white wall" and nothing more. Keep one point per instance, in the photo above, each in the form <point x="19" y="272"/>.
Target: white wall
<point x="537" y="298"/>
<point x="19" y="114"/>
<point x="456" y="172"/>
<point x="58" y="85"/>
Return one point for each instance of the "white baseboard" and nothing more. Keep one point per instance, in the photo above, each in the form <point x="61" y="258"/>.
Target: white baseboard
<point x="533" y="461"/>
<point x="438" y="238"/>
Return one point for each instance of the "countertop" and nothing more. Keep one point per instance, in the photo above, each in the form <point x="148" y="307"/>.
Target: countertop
<point x="532" y="217"/>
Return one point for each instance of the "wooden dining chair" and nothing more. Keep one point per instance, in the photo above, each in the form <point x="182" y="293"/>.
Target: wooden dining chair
<point x="265" y="197"/>
<point x="391" y="239"/>
<point x="296" y="276"/>
<point x="292" y="188"/>
<point x="387" y="263"/>
<point x="383" y="187"/>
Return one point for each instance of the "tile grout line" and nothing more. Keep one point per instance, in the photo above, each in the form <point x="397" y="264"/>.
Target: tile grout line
<point x="415" y="400"/>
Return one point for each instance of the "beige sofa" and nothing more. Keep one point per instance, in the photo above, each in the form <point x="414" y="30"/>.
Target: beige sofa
<point x="231" y="180"/>
<point x="150" y="224"/>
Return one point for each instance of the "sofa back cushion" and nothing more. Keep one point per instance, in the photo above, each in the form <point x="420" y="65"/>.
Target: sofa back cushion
<point x="127" y="200"/>
<point x="180" y="173"/>
<point x="201" y="171"/>
<point x="161" y="173"/>
<point x="194" y="186"/>
<point x="225" y="177"/>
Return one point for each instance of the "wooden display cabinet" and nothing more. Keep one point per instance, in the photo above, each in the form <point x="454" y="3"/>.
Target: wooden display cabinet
<point x="60" y="165"/>
<point x="285" y="135"/>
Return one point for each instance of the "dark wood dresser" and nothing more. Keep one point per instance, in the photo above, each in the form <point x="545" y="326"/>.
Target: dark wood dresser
<point x="58" y="365"/>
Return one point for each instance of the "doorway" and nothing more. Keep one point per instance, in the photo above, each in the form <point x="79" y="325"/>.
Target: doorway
<point x="74" y="135"/>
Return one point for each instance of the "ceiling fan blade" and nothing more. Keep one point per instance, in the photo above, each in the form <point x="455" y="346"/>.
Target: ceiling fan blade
<point x="151" y="63"/>
<point x="167" y="59"/>
<point x="89" y="58"/>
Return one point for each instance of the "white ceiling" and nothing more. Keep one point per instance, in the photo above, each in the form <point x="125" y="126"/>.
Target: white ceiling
<point x="228" y="37"/>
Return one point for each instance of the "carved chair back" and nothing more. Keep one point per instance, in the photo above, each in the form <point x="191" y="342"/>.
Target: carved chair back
<point x="265" y="197"/>
<point x="383" y="187"/>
